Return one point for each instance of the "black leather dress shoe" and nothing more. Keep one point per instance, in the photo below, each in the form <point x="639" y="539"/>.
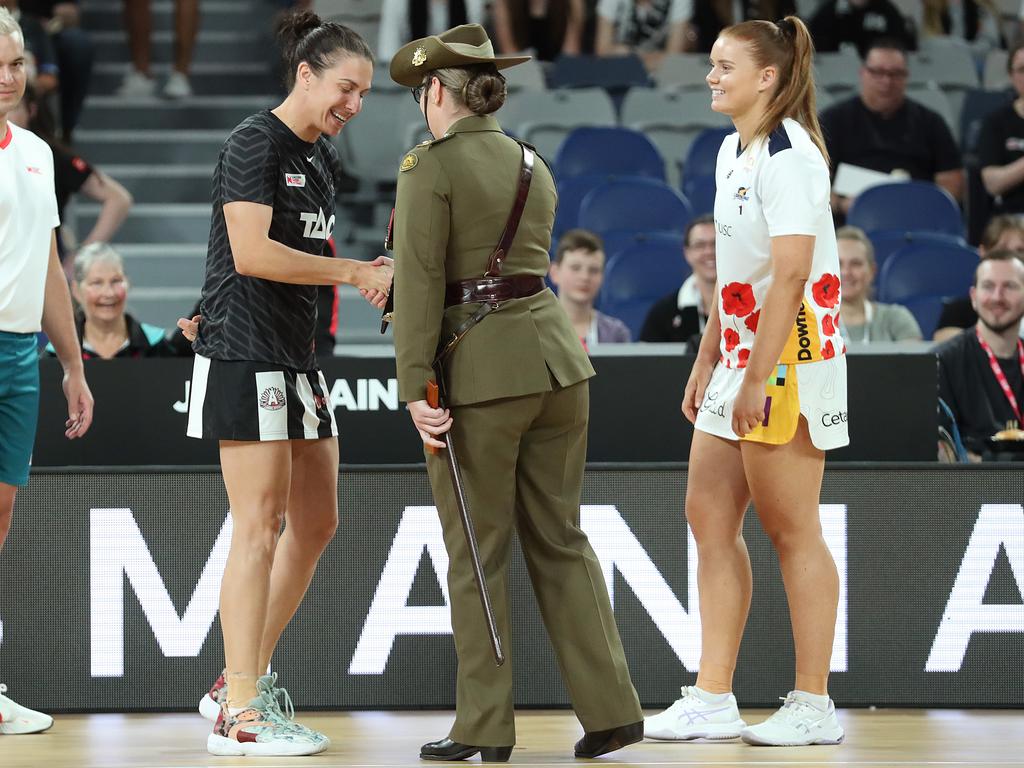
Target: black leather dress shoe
<point x="446" y="749"/>
<point x="602" y="742"/>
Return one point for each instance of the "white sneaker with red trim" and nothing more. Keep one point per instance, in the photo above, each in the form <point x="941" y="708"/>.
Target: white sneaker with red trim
<point x="16" y="719"/>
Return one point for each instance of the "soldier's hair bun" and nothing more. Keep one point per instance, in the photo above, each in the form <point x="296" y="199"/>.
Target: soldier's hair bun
<point x="485" y="92"/>
<point x="303" y="36"/>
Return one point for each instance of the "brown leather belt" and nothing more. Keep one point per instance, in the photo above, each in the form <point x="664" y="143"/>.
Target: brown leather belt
<point x="492" y="289"/>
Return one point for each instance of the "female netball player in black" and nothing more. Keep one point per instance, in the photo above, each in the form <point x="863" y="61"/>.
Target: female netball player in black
<point x="255" y="385"/>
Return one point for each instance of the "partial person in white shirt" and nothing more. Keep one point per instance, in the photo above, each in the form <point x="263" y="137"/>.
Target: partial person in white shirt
<point x="33" y="296"/>
<point x="766" y="395"/>
<point x="648" y="28"/>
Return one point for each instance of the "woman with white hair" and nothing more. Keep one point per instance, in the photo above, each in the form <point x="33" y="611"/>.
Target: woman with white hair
<point x="105" y="329"/>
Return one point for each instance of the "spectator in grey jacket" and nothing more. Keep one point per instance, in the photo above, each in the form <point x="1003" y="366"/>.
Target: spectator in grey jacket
<point x="578" y="270"/>
<point x="864" y="320"/>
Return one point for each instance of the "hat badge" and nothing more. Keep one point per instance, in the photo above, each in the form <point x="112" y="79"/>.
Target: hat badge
<point x="419" y="56"/>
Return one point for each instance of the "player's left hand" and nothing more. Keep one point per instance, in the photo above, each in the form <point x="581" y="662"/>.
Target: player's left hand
<point x="748" y="408"/>
<point x="378" y="298"/>
<point x="80" y="404"/>
<point x="189" y="328"/>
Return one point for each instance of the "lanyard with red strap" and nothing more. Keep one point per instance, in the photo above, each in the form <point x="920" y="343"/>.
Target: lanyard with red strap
<point x="1000" y="376"/>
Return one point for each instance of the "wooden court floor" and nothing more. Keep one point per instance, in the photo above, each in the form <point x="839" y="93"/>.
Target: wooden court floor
<point x="545" y="738"/>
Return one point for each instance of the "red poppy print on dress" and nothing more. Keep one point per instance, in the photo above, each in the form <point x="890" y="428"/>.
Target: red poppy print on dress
<point x="738" y="299"/>
<point x="744" y="355"/>
<point x="731" y="339"/>
<point x="828" y="351"/>
<point x="828" y="325"/>
<point x="751" y="321"/>
<point x="826" y="291"/>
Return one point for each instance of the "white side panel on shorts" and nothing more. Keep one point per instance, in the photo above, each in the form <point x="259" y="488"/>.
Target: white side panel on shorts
<point x="272" y="405"/>
<point x="310" y="421"/>
<point x="197" y="396"/>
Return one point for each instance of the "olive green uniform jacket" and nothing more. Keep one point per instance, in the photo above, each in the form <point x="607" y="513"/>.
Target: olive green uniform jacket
<point x="519" y="396"/>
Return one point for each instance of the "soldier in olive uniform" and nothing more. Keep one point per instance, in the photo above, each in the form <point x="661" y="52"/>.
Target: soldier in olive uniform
<point x="518" y="393"/>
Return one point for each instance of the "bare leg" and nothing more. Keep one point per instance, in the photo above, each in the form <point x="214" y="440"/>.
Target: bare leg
<point x="257" y="477"/>
<point x="785" y="481"/>
<point x="186" y="27"/>
<point x="311" y="520"/>
<point x="716" y="500"/>
<point x="7" y="494"/>
<point x="138" y="21"/>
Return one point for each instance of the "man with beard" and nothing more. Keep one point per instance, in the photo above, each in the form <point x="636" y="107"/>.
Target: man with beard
<point x="981" y="370"/>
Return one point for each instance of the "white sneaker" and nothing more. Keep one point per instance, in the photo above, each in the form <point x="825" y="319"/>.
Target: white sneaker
<point x="16" y="719"/>
<point x="691" y="717"/>
<point x="798" y="723"/>
<point x="177" y="86"/>
<point x="136" y="85"/>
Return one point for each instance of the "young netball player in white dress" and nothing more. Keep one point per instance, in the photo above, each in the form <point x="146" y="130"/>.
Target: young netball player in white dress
<point x="767" y="393"/>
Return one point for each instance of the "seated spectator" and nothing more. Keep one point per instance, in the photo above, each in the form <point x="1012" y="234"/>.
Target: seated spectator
<point x="863" y="320"/>
<point x="975" y="22"/>
<point x="981" y="369"/>
<point x="710" y="18"/>
<point x="882" y="130"/>
<point x="577" y="271"/>
<point x="405" y="20"/>
<point x="648" y="28"/>
<point x="859" y="22"/>
<point x="1004" y="232"/>
<point x="138" y="19"/>
<point x="551" y="28"/>
<point x="681" y="315"/>
<point x="75" y="54"/>
<point x="73" y="174"/>
<point x="105" y="330"/>
<point x="1001" y="144"/>
<point x="39" y="45"/>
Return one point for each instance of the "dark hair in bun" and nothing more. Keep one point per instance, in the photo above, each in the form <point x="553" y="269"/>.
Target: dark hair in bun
<point x="304" y="37"/>
<point x="481" y="88"/>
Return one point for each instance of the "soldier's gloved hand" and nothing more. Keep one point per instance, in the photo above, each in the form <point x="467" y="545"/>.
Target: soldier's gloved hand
<point x="430" y="422"/>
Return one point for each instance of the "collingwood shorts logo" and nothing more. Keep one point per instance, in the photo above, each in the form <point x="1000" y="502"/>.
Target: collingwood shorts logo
<point x="317" y="226"/>
<point x="272" y="399"/>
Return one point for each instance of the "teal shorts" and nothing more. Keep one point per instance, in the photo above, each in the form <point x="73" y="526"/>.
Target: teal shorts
<point x="19" y="404"/>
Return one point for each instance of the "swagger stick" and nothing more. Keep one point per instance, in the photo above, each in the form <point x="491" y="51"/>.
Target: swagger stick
<point x="434" y="399"/>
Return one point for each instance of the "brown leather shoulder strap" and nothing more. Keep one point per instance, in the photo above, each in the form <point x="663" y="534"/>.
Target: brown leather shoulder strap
<point x="525" y="177"/>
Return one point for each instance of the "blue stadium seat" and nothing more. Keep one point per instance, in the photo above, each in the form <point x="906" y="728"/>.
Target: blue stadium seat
<point x="912" y="205"/>
<point x="927" y="269"/>
<point x="615" y="74"/>
<point x="703" y="155"/>
<point x="614" y="151"/>
<point x="926" y="310"/>
<point x="699" y="169"/>
<point x="639" y="275"/>
<point x="571" y="192"/>
<point x="700" y="191"/>
<point x="887" y="241"/>
<point x="634" y="205"/>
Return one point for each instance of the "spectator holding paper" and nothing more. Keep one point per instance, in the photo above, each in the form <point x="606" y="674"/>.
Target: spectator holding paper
<point x="883" y="131"/>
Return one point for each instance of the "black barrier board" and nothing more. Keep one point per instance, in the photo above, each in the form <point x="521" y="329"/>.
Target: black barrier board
<point x="110" y="581"/>
<point x="634" y="415"/>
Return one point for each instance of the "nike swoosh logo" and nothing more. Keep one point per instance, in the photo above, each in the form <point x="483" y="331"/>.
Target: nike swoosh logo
<point x="309" y="159"/>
